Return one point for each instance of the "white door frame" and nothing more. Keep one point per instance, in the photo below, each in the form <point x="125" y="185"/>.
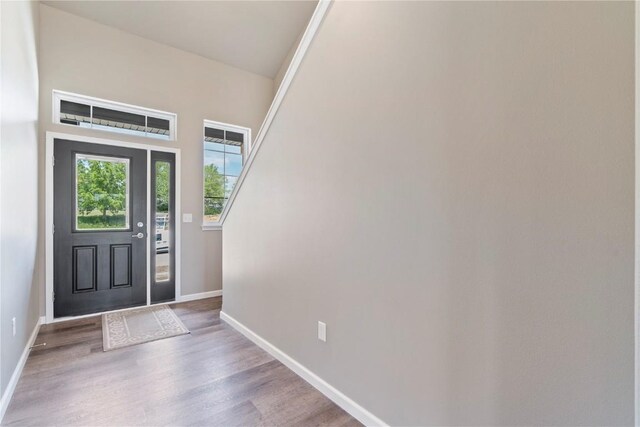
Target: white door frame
<point x="51" y="137"/>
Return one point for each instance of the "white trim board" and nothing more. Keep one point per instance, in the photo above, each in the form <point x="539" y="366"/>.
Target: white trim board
<point x="202" y="295"/>
<point x="17" y="372"/>
<point x="50" y="138"/>
<point x="301" y="51"/>
<point x="355" y="410"/>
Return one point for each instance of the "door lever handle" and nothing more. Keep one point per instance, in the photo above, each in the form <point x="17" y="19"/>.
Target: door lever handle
<point x="139" y="235"/>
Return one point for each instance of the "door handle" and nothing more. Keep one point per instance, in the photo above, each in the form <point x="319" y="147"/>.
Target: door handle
<point x="139" y="235"/>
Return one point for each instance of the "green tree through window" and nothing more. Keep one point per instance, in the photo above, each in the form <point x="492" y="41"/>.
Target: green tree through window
<point x="213" y="191"/>
<point x="101" y="193"/>
<point x="223" y="156"/>
<point x="162" y="187"/>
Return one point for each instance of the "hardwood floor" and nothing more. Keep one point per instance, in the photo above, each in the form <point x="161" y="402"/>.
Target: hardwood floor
<point x="214" y="377"/>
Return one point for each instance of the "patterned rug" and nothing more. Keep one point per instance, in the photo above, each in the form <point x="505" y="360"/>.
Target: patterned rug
<point x="131" y="327"/>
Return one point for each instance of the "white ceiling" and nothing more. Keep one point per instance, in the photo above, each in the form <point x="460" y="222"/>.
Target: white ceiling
<point x="252" y="35"/>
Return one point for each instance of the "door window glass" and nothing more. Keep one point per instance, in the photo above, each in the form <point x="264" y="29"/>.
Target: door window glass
<point x="102" y="193"/>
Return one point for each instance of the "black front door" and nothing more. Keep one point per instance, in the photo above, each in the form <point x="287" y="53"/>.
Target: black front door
<point x="100" y="228"/>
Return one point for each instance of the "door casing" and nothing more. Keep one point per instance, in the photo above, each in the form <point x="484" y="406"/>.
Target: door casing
<point x="50" y="138"/>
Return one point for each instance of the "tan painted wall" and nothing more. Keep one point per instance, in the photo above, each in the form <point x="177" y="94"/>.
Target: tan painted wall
<point x="19" y="294"/>
<point x="450" y="187"/>
<point x="84" y="57"/>
<point x="285" y="64"/>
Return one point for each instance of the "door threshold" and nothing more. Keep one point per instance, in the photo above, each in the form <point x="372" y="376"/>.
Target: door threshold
<point x="100" y="313"/>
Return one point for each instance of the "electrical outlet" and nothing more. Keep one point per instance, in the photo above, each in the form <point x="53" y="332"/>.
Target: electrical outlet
<point x="13" y="326"/>
<point x="322" y="331"/>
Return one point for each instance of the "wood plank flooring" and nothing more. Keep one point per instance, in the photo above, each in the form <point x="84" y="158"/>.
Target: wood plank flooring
<point x="213" y="377"/>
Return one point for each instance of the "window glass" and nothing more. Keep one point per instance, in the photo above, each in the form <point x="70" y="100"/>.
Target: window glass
<point x="79" y="110"/>
<point x="163" y="230"/>
<point x="234" y="149"/>
<point x="215" y="159"/>
<point x="74" y="113"/>
<point x="214" y="146"/>
<point x="223" y="161"/>
<point x="102" y="193"/>
<point x="158" y="127"/>
<point x="233" y="164"/>
<point x="213" y="185"/>
<point x="229" y="183"/>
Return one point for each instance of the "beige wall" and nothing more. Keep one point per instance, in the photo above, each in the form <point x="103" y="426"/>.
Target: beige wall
<point x="285" y="64"/>
<point x="84" y="57"/>
<point x="18" y="180"/>
<point x="450" y="187"/>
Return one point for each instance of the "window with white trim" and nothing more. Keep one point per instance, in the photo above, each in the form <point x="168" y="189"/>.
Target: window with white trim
<point x="99" y="114"/>
<point x="225" y="150"/>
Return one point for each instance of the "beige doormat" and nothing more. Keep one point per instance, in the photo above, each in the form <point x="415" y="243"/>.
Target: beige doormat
<point x="131" y="327"/>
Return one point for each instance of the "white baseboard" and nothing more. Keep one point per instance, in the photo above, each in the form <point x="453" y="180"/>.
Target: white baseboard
<point x="202" y="295"/>
<point x="13" y="382"/>
<point x="357" y="411"/>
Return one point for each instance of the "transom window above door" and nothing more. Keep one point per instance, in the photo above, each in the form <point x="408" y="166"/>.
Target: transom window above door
<point x="99" y="114"/>
<point x="225" y="150"/>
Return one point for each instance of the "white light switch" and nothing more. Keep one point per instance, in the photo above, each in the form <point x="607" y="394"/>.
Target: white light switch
<point x="322" y="331"/>
<point x="187" y="218"/>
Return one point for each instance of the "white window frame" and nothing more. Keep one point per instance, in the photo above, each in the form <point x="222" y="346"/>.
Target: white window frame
<point x="217" y="225"/>
<point x="59" y="96"/>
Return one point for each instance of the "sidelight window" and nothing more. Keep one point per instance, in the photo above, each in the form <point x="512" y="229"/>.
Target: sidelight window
<point x="163" y="238"/>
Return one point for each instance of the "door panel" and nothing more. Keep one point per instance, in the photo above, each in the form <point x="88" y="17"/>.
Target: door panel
<point x="100" y="196"/>
<point x="85" y="265"/>
<point x="120" y="265"/>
